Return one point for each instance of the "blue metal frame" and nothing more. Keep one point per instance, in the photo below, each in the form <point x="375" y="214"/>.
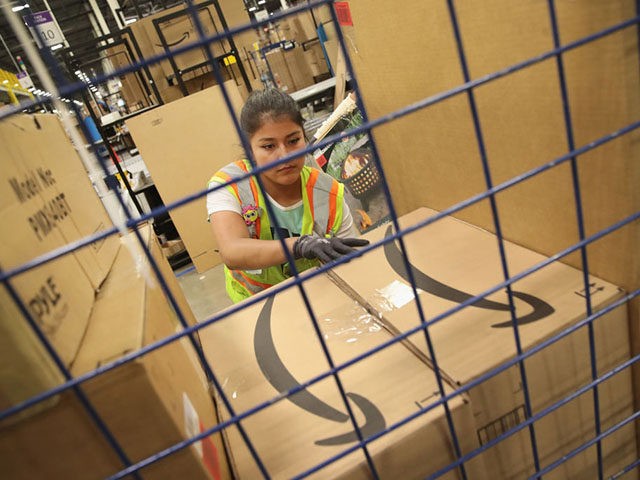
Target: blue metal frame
<point x="334" y="370"/>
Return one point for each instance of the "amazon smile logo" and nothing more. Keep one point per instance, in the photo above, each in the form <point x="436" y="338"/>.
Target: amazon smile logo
<point x="280" y="378"/>
<point x="277" y="374"/>
<point x="392" y="253"/>
<point x="185" y="36"/>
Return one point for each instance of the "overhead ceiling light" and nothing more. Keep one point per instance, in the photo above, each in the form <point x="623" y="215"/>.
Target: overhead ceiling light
<point x="129" y="21"/>
<point x="56" y="47"/>
<point x="252" y="9"/>
<point x="20" y="7"/>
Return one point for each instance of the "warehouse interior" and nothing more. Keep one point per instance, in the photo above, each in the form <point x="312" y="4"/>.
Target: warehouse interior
<point x="487" y="151"/>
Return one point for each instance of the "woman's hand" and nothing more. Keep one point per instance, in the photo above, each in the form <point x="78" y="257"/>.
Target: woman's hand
<point x="325" y="249"/>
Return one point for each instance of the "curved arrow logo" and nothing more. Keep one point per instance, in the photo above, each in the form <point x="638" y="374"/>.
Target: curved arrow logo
<point x="185" y="36"/>
<point x="541" y="309"/>
<point x="283" y="381"/>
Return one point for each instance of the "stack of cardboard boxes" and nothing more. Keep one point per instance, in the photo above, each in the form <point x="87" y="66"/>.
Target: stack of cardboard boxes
<point x="274" y="348"/>
<point x="93" y="306"/>
<point x="174" y="29"/>
<point x="102" y="303"/>
<point x="298" y="66"/>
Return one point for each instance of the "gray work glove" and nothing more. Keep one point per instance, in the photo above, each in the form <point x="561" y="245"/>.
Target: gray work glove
<point x="325" y="249"/>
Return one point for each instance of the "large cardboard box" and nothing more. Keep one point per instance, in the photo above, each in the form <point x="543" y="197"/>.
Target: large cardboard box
<point x="453" y="261"/>
<point x="280" y="71"/>
<point x="264" y="351"/>
<point x="298" y="68"/>
<point x="46" y="192"/>
<point x="136" y="88"/>
<point x="148" y="404"/>
<point x="178" y="32"/>
<point x="183" y="144"/>
<point x="46" y="202"/>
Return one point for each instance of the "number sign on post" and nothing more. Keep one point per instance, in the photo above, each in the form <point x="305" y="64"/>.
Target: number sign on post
<point x="44" y="28"/>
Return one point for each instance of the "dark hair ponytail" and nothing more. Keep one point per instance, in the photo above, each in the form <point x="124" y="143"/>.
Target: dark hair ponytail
<point x="263" y="105"/>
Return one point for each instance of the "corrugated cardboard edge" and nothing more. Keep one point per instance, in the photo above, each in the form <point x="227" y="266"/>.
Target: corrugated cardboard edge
<point x="220" y="413"/>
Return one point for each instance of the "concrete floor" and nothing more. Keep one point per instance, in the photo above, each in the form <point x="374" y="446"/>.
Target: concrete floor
<point x="204" y="291"/>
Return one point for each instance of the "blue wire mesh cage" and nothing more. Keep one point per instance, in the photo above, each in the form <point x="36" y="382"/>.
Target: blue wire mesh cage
<point x="486" y="330"/>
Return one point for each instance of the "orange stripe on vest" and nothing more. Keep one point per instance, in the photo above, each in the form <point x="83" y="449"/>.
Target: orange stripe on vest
<point x="252" y="281"/>
<point x="313" y="178"/>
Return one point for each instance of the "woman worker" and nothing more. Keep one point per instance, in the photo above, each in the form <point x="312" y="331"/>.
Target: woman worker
<point x="309" y="207"/>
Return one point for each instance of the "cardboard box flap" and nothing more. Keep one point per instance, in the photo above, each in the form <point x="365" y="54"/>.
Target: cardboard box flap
<point x="121" y="299"/>
<point x="454" y="261"/>
<point x="271" y="347"/>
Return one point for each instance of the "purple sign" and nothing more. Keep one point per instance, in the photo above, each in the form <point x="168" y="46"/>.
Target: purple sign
<point x="38" y="18"/>
<point x="44" y="28"/>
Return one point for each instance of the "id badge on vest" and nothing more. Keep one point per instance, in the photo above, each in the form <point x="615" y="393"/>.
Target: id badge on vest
<point x="251" y="214"/>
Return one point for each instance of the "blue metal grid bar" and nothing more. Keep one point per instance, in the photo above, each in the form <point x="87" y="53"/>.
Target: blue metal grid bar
<point x="57" y="73"/>
<point x="367" y="127"/>
<point x="288" y="254"/>
<point x="277" y="289"/>
<point x="496" y="221"/>
<point x="580" y="219"/>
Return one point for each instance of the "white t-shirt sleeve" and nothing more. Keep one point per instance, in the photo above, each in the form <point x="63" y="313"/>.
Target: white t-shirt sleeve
<point x="222" y="200"/>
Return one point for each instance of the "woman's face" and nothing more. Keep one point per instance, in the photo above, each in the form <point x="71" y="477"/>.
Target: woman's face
<point x="273" y="140"/>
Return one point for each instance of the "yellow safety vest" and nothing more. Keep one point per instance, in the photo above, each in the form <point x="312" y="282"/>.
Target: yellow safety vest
<point x="322" y="199"/>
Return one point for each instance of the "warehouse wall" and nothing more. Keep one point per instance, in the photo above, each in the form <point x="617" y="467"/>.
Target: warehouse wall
<point x="431" y="157"/>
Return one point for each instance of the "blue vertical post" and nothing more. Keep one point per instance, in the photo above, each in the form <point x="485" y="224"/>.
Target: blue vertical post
<point x="496" y="219"/>
<point x="580" y="220"/>
<point x="407" y="265"/>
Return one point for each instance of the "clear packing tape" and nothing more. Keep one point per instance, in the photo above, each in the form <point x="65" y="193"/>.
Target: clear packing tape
<point x="361" y="320"/>
<point x="349" y="324"/>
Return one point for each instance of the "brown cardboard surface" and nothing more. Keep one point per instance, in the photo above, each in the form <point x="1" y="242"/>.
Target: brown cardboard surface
<point x="148" y="404"/>
<point x="132" y="91"/>
<point x="25" y="367"/>
<point x="183" y="144"/>
<point x="180" y="32"/>
<point x="298" y="68"/>
<point x="139" y="31"/>
<point x="236" y="15"/>
<point x="46" y="186"/>
<point x="402" y="55"/>
<point x="453" y="261"/>
<point x="196" y="80"/>
<point x="59" y="298"/>
<point x="280" y="70"/>
<point x="272" y="346"/>
<point x="46" y="201"/>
